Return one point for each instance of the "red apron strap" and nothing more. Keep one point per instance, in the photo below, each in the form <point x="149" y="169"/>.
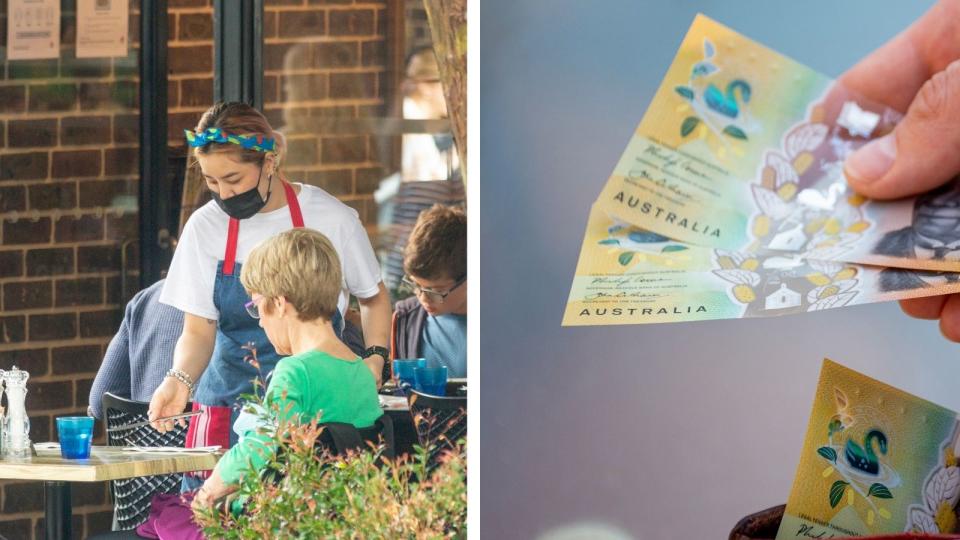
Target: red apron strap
<point x="230" y="255"/>
<point x="294" y="205"/>
<point x="233" y="231"/>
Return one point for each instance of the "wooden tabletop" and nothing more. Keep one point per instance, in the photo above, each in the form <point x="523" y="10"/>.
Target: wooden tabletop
<point x="105" y="463"/>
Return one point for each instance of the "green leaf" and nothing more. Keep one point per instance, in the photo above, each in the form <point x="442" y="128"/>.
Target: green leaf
<point x="610" y="242"/>
<point x="685" y="92"/>
<point x="688" y="125"/>
<point x="879" y="491"/>
<point x="625" y="258"/>
<point x="735" y="132"/>
<point x="836" y="492"/>
<point x="828" y="453"/>
<point x="672" y="248"/>
<point x="645" y="237"/>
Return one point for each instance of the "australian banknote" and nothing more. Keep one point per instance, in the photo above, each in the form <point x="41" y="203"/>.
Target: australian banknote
<point x="875" y="460"/>
<point x="629" y="275"/>
<point x="743" y="148"/>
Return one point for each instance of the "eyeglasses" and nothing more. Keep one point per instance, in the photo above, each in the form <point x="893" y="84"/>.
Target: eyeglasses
<point x="431" y="294"/>
<point x="252" y="309"/>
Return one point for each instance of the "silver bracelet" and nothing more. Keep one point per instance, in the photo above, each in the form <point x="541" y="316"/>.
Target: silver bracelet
<point x="183" y="377"/>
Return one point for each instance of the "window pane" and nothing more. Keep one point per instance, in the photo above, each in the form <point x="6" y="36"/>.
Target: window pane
<point x="356" y="92"/>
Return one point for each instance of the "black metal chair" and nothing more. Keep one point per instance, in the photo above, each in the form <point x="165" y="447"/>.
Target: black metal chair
<point x="132" y="496"/>
<point x="440" y="421"/>
<point x="339" y="438"/>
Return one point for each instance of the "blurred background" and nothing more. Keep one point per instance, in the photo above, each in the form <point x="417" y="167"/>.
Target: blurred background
<point x="659" y="431"/>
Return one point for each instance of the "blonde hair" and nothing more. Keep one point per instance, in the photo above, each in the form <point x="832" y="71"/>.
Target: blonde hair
<point x="300" y="265"/>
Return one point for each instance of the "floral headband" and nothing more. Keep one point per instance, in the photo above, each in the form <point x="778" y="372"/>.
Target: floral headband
<point x="217" y="135"/>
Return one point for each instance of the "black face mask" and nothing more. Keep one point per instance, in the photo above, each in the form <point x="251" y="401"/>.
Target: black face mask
<point x="246" y="204"/>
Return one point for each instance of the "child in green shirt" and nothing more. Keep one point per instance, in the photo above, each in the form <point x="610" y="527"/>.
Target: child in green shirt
<point x="294" y="280"/>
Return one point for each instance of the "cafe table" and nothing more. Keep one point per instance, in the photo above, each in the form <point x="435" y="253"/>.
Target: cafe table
<point x="105" y="463"/>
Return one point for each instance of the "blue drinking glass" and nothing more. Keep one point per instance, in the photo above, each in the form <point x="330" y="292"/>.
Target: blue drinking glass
<point x="76" y="436"/>
<point x="431" y="380"/>
<point x="403" y="371"/>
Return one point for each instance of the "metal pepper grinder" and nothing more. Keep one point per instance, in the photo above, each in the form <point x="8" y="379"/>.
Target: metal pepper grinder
<point x="16" y="424"/>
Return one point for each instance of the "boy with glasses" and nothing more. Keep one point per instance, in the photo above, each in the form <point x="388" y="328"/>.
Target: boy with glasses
<point x="433" y="323"/>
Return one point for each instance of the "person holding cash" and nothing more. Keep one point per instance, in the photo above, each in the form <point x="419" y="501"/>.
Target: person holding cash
<point x="918" y="71"/>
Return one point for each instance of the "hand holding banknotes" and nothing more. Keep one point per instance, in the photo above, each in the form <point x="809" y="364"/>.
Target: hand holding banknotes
<point x="918" y="71"/>
<point x="763" y="224"/>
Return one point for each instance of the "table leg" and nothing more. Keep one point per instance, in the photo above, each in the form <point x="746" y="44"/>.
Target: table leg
<point x="59" y="514"/>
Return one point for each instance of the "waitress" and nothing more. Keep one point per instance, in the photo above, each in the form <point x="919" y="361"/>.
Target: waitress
<point x="239" y="155"/>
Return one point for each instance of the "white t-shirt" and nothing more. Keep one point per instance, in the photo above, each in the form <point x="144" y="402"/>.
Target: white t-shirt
<point x="190" y="280"/>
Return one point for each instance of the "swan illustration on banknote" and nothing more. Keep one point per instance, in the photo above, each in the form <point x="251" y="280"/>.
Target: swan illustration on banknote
<point x="856" y="449"/>
<point x="721" y="112"/>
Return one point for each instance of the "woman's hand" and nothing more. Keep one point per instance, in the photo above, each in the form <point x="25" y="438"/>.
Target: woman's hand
<point x="211" y="491"/>
<point x="191" y="356"/>
<point x="202" y="500"/>
<point x="169" y="399"/>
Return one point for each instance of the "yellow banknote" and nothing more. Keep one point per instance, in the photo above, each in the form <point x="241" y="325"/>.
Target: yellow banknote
<point x="875" y="460"/>
<point x="629" y="275"/>
<point x="743" y="149"/>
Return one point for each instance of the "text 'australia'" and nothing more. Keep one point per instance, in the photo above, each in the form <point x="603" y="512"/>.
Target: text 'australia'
<point x="620" y="312"/>
<point x="672" y="218"/>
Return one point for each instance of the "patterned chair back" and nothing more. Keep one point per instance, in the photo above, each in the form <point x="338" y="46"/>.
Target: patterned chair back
<point x="132" y="496"/>
<point x="440" y="421"/>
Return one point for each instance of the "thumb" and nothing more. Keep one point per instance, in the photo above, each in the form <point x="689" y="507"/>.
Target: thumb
<point x="922" y="152"/>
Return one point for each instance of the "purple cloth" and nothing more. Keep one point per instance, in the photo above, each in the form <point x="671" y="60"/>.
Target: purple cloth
<point x="171" y="518"/>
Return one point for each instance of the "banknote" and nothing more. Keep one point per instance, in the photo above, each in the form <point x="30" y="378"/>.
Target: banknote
<point x="629" y="275"/>
<point x="875" y="460"/>
<point x="743" y="148"/>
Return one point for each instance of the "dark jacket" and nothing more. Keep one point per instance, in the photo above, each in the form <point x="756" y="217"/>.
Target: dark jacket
<point x="141" y="352"/>
<point x="409" y="317"/>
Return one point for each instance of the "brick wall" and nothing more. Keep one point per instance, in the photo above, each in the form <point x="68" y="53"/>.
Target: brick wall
<point x="324" y="62"/>
<point x="68" y="188"/>
<point x="416" y="26"/>
<point x="189" y="66"/>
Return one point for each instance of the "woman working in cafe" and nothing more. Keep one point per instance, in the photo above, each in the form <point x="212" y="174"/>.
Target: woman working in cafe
<point x="239" y="155"/>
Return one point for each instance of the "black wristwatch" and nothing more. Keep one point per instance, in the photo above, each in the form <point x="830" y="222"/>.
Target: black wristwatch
<point x="376" y="349"/>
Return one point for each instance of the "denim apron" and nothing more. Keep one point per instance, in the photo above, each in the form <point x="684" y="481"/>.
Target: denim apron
<point x="232" y="368"/>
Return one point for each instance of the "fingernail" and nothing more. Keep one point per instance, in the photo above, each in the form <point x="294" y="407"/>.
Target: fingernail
<point x="872" y="160"/>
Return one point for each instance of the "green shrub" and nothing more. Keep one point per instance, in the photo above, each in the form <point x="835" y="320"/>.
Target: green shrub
<point x="361" y="495"/>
